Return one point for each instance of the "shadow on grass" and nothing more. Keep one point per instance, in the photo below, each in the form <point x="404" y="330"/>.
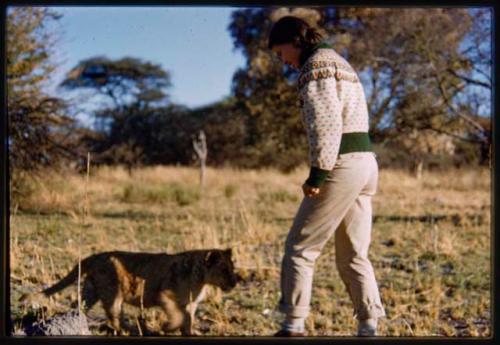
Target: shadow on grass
<point x="134" y="215"/>
<point x="457" y="219"/>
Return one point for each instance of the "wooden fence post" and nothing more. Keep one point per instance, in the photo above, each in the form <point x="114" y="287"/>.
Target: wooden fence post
<point x="200" y="147"/>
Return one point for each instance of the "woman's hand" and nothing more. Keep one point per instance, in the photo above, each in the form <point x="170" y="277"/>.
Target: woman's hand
<point x="310" y="191"/>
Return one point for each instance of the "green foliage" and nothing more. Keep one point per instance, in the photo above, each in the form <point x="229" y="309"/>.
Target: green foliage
<point x="21" y="187"/>
<point x="417" y="74"/>
<point x="224" y="126"/>
<point x="413" y="72"/>
<point x="266" y="96"/>
<point x="230" y="190"/>
<point x="149" y="136"/>
<point x="40" y="132"/>
<point x="277" y="196"/>
<point x="182" y="195"/>
<point x="127" y="132"/>
<point x="126" y="81"/>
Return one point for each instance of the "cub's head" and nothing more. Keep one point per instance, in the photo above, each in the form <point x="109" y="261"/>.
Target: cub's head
<point x="220" y="269"/>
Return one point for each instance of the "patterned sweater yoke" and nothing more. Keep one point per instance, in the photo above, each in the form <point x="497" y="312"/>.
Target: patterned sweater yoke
<point x="334" y="110"/>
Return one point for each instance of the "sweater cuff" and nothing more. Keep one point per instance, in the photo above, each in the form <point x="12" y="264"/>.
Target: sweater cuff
<point x="317" y="177"/>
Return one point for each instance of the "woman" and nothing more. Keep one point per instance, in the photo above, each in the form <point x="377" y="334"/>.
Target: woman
<point x="342" y="179"/>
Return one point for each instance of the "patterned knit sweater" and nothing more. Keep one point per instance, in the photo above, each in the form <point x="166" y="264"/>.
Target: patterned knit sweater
<point x="334" y="110"/>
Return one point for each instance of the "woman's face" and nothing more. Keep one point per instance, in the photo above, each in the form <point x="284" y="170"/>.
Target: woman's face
<point x="288" y="54"/>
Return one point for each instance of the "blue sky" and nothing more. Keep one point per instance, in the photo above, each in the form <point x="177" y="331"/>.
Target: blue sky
<point x="192" y="43"/>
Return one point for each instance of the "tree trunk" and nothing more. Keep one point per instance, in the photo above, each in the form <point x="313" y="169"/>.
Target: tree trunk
<point x="202" y="173"/>
<point x="418" y="168"/>
<point x="200" y="147"/>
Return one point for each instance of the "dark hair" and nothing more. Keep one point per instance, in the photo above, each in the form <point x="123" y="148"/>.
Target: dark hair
<point x="294" y="30"/>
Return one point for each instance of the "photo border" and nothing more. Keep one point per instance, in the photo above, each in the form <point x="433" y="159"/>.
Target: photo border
<point x="6" y="338"/>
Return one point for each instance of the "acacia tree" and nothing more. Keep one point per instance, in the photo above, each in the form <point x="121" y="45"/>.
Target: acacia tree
<point x="123" y="81"/>
<point x="40" y="133"/>
<point x="132" y="89"/>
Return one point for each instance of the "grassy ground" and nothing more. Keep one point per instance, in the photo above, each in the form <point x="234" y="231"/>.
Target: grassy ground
<point x="430" y="244"/>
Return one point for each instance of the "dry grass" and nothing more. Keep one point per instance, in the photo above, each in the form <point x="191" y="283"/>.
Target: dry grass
<point x="430" y="247"/>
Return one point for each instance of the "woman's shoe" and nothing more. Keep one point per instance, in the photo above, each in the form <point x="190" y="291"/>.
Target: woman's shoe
<point x="284" y="333"/>
<point x="367" y="328"/>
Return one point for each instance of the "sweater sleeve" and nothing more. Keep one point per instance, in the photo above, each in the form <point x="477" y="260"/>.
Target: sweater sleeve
<point x="322" y="114"/>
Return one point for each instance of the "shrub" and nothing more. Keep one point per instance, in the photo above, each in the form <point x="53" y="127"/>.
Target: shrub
<point x="172" y="192"/>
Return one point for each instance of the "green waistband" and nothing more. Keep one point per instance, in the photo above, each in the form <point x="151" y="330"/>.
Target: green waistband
<point x="355" y="142"/>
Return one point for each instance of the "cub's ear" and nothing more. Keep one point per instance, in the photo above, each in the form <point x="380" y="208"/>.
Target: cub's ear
<point x="229" y="252"/>
<point x="213" y="257"/>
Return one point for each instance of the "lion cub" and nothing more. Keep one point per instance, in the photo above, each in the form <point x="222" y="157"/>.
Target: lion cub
<point x="176" y="283"/>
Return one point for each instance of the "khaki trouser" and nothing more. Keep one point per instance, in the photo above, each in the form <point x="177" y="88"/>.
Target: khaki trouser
<point x="343" y="207"/>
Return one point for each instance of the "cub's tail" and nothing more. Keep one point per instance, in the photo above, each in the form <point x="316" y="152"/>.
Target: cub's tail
<point x="69" y="279"/>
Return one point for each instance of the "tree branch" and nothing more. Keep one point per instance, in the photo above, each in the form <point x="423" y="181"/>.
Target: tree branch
<point x="456" y="136"/>
<point x="451" y="106"/>
<point x="469" y="80"/>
